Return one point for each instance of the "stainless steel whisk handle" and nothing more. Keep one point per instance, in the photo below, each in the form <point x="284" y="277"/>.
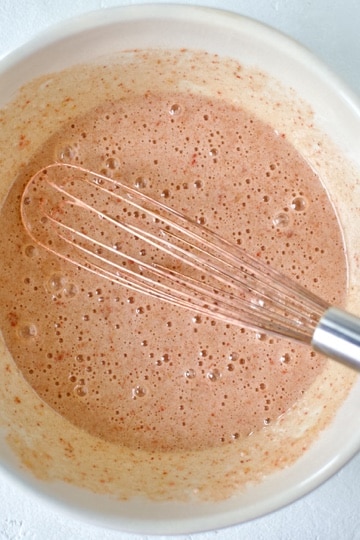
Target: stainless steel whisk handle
<point x="338" y="336"/>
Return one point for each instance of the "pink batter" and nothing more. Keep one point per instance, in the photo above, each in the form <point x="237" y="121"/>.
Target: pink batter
<point x="139" y="372"/>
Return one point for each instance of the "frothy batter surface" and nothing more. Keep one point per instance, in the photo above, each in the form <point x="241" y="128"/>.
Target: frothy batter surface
<point x="139" y="372"/>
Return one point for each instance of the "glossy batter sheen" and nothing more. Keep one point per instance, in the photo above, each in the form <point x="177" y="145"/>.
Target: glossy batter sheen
<point x="139" y="372"/>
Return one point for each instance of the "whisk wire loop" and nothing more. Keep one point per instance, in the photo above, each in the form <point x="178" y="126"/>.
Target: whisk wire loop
<point x="120" y="233"/>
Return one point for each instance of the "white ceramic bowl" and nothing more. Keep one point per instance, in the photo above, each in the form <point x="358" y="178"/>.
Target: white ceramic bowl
<point x="337" y="115"/>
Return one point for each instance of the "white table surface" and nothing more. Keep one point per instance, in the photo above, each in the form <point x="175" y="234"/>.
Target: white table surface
<point x="330" y="28"/>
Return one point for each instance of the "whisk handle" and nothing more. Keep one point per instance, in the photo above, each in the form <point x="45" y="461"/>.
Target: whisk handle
<point x="338" y="336"/>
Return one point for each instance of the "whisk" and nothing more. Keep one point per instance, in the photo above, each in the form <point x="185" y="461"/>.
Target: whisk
<point x="118" y="232"/>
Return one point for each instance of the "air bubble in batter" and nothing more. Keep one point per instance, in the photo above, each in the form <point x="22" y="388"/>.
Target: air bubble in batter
<point x="56" y="283"/>
<point x="98" y="180"/>
<point x="285" y="358"/>
<point x="190" y="374"/>
<point x="112" y="163"/>
<point x="138" y="392"/>
<point x="30" y="251"/>
<point x="69" y="152"/>
<point x="70" y="290"/>
<point x="80" y="390"/>
<point x="281" y="220"/>
<point x="175" y="109"/>
<point x="299" y="204"/>
<point x="140" y="182"/>
<point x="214" y="375"/>
<point x="28" y="331"/>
